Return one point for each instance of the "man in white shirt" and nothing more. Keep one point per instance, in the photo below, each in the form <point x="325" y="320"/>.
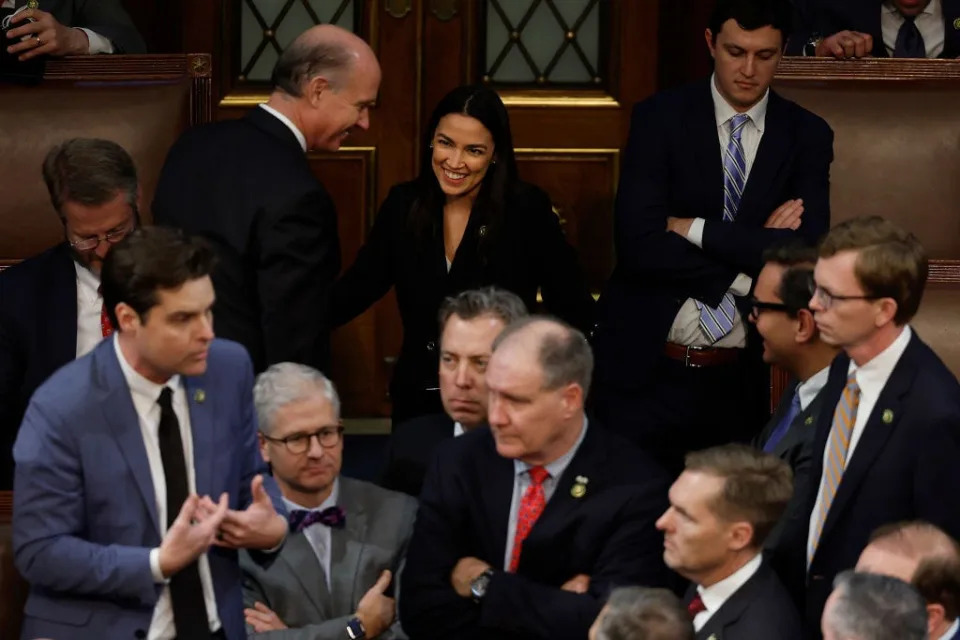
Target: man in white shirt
<point x="888" y="439"/>
<point x="348" y="537"/>
<point x="469" y="323"/>
<point x="138" y="475"/>
<point x="51" y="310"/>
<point x="929" y="559"/>
<point x="722" y="507"/>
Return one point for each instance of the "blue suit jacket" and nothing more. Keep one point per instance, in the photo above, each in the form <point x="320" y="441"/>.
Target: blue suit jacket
<point x="38" y="335"/>
<point x="826" y="17"/>
<point x="904" y="468"/>
<point x="672" y="167"/>
<point x="84" y="514"/>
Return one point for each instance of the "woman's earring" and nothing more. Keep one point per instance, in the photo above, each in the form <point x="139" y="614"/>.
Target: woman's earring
<point x="431" y="145"/>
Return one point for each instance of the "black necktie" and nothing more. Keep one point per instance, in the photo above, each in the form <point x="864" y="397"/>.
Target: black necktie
<point x="186" y="590"/>
<point x="909" y="41"/>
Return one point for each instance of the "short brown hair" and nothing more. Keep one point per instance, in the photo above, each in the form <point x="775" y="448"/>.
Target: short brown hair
<point x="474" y="303"/>
<point x="90" y="171"/>
<point x="937" y="576"/>
<point x="757" y="486"/>
<point x="891" y="262"/>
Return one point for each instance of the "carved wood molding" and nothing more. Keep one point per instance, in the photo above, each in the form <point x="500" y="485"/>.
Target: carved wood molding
<point x="397" y="8"/>
<point x="444" y="10"/>
<point x="140" y="67"/>
<point x="885" y="69"/>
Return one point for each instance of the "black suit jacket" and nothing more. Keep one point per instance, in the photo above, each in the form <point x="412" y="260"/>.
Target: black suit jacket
<point x="608" y="534"/>
<point x="796" y="449"/>
<point x="827" y="17"/>
<point x="904" y="467"/>
<point x="672" y="167"/>
<point x="38" y="335"/>
<point x="528" y="253"/>
<point x="247" y="186"/>
<point x="761" y="608"/>
<point x="105" y="17"/>
<point x="410" y="449"/>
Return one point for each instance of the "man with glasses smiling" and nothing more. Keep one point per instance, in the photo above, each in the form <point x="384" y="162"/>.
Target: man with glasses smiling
<point x="888" y="441"/>
<point x="51" y="310"/>
<point x="347" y="538"/>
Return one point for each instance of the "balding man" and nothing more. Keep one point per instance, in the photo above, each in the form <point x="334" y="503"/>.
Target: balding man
<point x="524" y="527"/>
<point x="247" y="186"/>
<point x="926" y="557"/>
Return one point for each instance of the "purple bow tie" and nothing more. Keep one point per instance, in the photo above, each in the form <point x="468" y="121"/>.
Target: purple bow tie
<point x="333" y="517"/>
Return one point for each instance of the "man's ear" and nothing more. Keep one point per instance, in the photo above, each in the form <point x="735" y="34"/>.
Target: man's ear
<point x="316" y="86"/>
<point x="806" y="327"/>
<point x="127" y="318"/>
<point x="888" y="310"/>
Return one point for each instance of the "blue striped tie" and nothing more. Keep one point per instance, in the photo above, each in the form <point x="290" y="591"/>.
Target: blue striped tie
<point x="716" y="322"/>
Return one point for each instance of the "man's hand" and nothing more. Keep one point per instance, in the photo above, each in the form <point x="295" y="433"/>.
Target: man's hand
<point x="579" y="583"/>
<point x="680" y="226"/>
<point x="259" y="526"/>
<point x="466" y="571"/>
<point x="46" y="36"/>
<point x="185" y="542"/>
<point x="787" y="216"/>
<point x="375" y="610"/>
<point x="263" y="619"/>
<point x="846" y="44"/>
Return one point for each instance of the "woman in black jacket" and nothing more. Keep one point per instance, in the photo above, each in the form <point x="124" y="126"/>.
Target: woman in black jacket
<point x="466" y="221"/>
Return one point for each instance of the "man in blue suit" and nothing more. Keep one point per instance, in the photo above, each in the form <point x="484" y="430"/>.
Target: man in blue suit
<point x="888" y="437"/>
<point x="116" y="450"/>
<point x="714" y="173"/>
<point x="51" y="309"/>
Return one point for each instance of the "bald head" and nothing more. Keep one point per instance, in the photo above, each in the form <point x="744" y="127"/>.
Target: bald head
<point x="561" y="351"/>
<point x="897" y="549"/>
<point x="324" y="50"/>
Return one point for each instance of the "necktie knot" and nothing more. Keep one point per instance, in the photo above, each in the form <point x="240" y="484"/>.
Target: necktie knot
<point x="696" y="606"/>
<point x="538" y="475"/>
<point x="737" y="123"/>
<point x="852" y="385"/>
<point x="166" y="399"/>
<point x="333" y="517"/>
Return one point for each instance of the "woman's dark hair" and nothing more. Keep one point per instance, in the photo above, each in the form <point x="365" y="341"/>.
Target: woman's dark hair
<point x="485" y="105"/>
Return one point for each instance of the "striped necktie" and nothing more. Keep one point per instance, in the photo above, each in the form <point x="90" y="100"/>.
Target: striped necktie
<point x="838" y="444"/>
<point x="716" y="322"/>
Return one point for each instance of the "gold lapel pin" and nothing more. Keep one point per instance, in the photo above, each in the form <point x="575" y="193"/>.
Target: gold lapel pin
<point x="33" y="4"/>
<point x="887" y="416"/>
<point x="199" y="395"/>
<point x="809" y="420"/>
<point x="713" y="636"/>
<point x="579" y="489"/>
<point x="956" y="24"/>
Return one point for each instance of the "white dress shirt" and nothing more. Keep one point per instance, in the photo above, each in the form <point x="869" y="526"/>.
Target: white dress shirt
<point x="952" y="631"/>
<point x="457" y="429"/>
<point x="686" y="326"/>
<point x="302" y="139"/>
<point x="318" y="534"/>
<point x="145" y="394"/>
<point x="89" y="307"/>
<point x="810" y="388"/>
<point x="929" y="23"/>
<point x="872" y="378"/>
<point x="717" y="594"/>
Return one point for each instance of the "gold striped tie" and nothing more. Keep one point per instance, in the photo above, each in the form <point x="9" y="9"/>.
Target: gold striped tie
<point x="838" y="444"/>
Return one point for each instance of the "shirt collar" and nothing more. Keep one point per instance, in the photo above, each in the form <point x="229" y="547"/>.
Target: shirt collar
<point x="930" y="9"/>
<point x="289" y="124"/>
<point x="724" y="112"/>
<point x="331" y="500"/>
<point x="558" y="466"/>
<point x="457" y="429"/>
<point x="874" y="374"/>
<point x="716" y="594"/>
<point x="139" y="385"/>
<point x="87" y="280"/>
<point x="949" y="633"/>
<point x="809" y="388"/>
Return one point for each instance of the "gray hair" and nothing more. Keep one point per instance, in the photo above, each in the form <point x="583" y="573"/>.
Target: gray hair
<point x="288" y="382"/>
<point x="308" y="58"/>
<point x="89" y="171"/>
<point x="641" y="613"/>
<point x="474" y="303"/>
<point x="869" y="606"/>
<point x="565" y="356"/>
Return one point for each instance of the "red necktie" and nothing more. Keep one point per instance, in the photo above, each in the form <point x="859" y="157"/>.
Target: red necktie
<point x="531" y="506"/>
<point x="696" y="606"/>
<point x="105" y="327"/>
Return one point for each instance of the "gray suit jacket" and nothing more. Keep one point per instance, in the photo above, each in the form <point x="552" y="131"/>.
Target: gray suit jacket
<point x="378" y="528"/>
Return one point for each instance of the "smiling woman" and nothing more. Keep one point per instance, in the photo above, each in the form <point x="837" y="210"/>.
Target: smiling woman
<point x="465" y="222"/>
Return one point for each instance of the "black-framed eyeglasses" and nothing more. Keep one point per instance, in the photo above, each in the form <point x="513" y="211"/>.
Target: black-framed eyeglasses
<point x="827" y="299"/>
<point x="758" y="306"/>
<point x="113" y="237"/>
<point x="299" y="443"/>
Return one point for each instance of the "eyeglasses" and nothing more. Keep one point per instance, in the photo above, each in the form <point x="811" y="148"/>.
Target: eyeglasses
<point x="113" y="237"/>
<point x="756" y="306"/>
<point x="827" y="299"/>
<point x="299" y="443"/>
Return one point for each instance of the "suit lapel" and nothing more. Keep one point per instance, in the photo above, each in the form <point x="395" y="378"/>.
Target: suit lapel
<point x="346" y="546"/>
<point x="702" y="132"/>
<point x="201" y="428"/>
<point x="62" y="309"/>
<point x="120" y="414"/>
<point x="731" y="610"/>
<point x="303" y="564"/>
<point x="776" y="146"/>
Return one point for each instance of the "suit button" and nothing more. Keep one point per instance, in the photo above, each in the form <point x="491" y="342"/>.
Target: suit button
<point x="431" y="346"/>
<point x="139" y="634"/>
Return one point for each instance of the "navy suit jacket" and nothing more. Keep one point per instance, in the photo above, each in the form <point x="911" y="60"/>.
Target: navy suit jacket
<point x="105" y="17"/>
<point x="38" y="335"/>
<point x="672" y="167"/>
<point x="411" y="447"/>
<point x="84" y="512"/>
<point x="903" y="468"/>
<point x="608" y="533"/>
<point x="826" y="17"/>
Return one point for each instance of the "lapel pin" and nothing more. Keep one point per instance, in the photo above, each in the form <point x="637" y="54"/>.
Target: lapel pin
<point x="887" y="416"/>
<point x="808" y="421"/>
<point x="956" y="24"/>
<point x="579" y="489"/>
<point x="482" y="231"/>
<point x="199" y="395"/>
<point x="713" y="636"/>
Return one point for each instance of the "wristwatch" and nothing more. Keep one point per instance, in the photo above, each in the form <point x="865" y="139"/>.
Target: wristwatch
<point x="355" y="629"/>
<point x="478" y="586"/>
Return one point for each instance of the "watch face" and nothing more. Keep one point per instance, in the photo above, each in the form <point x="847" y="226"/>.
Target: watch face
<point x="479" y="585"/>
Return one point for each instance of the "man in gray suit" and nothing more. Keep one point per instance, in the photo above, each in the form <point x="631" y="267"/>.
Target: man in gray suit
<point x="791" y="341"/>
<point x="347" y="538"/>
